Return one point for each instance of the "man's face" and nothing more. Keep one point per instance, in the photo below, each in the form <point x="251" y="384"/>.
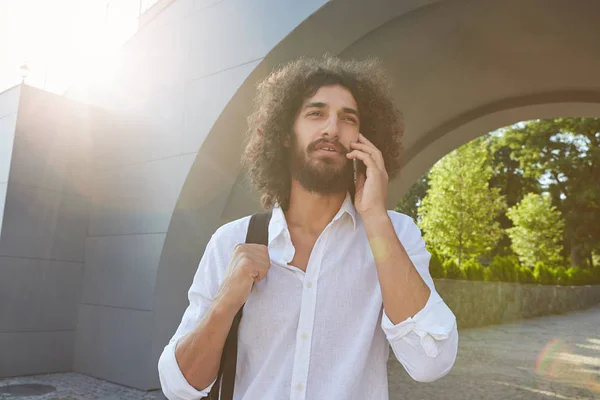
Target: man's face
<point x="324" y="128"/>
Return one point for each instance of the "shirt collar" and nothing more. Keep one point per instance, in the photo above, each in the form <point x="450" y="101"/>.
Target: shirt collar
<point x="347" y="208"/>
<point x="278" y="224"/>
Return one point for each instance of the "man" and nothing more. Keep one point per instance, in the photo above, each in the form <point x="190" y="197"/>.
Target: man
<point x="341" y="279"/>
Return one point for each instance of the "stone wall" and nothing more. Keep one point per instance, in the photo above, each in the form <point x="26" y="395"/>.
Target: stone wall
<point x="478" y="303"/>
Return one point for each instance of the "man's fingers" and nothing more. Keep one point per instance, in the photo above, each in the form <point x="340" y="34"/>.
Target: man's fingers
<point x="362" y="138"/>
<point x="372" y="151"/>
<point x="364" y="157"/>
<point x="257" y="261"/>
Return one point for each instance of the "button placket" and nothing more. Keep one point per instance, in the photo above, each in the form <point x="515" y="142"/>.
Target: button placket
<point x="303" y="342"/>
<point x="306" y="320"/>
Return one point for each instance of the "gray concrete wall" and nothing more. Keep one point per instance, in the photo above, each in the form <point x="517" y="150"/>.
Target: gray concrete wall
<point x="45" y="223"/>
<point x="488" y="303"/>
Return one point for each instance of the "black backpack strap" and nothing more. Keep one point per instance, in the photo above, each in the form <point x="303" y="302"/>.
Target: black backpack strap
<point x="258" y="233"/>
<point x="258" y="228"/>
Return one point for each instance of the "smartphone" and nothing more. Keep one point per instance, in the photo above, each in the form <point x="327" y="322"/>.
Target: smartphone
<point x="357" y="164"/>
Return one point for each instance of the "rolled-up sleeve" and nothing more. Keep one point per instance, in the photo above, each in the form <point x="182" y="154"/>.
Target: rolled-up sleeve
<point x="426" y="344"/>
<point x="203" y="289"/>
<point x="173" y="383"/>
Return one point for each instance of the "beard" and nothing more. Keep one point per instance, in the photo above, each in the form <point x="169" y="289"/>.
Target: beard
<point x="320" y="175"/>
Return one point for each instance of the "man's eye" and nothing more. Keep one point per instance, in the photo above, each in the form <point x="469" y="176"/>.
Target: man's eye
<point x="314" y="113"/>
<point x="351" y="119"/>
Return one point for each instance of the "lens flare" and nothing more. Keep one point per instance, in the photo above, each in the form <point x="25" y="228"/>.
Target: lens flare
<point x="557" y="362"/>
<point x="547" y="360"/>
<point x="381" y="248"/>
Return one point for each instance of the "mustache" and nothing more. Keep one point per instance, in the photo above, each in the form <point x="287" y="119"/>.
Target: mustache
<point x="335" y="144"/>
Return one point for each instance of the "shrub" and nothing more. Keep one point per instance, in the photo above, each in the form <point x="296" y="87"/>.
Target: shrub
<point x="436" y="269"/>
<point x="504" y="269"/>
<point x="543" y="274"/>
<point x="595" y="274"/>
<point x="560" y="276"/>
<point x="578" y="276"/>
<point x="588" y="277"/>
<point x="525" y="275"/>
<point x="453" y="271"/>
<point x="487" y="275"/>
<point x="473" y="271"/>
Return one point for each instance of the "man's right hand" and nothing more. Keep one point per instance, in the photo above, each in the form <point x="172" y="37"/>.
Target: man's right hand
<point x="249" y="263"/>
<point x="198" y="354"/>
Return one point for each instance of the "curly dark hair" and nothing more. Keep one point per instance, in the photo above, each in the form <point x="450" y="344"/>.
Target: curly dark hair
<point x="279" y="99"/>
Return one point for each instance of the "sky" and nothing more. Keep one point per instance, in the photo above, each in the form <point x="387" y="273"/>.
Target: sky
<point x="63" y="41"/>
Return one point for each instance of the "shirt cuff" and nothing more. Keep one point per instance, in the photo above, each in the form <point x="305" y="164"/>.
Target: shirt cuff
<point x="434" y="322"/>
<point x="173" y="383"/>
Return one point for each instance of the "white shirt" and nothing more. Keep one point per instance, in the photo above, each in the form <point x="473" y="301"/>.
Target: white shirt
<point x="323" y="333"/>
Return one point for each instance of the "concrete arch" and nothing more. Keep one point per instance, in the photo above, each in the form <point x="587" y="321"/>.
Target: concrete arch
<point x="446" y="138"/>
<point x="460" y="69"/>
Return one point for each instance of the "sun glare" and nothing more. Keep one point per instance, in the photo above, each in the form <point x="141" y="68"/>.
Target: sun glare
<point x="68" y="42"/>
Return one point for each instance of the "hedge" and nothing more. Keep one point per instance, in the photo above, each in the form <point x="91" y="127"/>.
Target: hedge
<point x="508" y="269"/>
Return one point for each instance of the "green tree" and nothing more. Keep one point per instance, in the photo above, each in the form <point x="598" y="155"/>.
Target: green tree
<point x="458" y="213"/>
<point x="564" y="154"/>
<point x="409" y="204"/>
<point x="537" y="231"/>
<point x="511" y="182"/>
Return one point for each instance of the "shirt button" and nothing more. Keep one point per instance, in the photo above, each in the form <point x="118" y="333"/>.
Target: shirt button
<point x="309" y="285"/>
<point x="299" y="387"/>
<point x="304" y="336"/>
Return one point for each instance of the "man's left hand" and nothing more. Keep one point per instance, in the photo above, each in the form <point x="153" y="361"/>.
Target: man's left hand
<point x="371" y="188"/>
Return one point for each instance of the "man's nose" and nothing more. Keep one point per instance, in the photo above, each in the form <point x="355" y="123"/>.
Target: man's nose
<point x="331" y="128"/>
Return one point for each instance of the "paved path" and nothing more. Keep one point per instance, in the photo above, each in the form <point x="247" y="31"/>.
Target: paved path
<point x="497" y="362"/>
